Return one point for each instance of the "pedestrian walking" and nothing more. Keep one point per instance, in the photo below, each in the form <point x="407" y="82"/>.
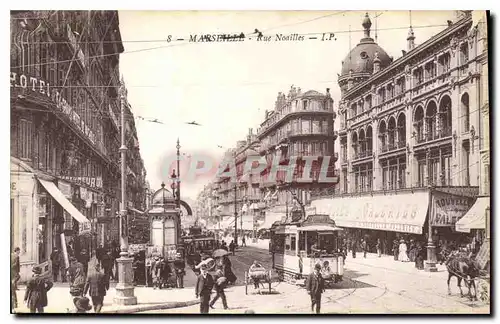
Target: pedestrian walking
<point x="403" y="255"/>
<point x="57" y="261"/>
<point x="96" y="286"/>
<point x="15" y="268"/>
<point x="180" y="272"/>
<point x="379" y="248"/>
<point x="364" y="246"/>
<point x="156" y="272"/>
<point x="78" y="280"/>
<point x="107" y="263"/>
<point x="228" y="271"/>
<point x="315" y="286"/>
<point x="100" y="252"/>
<point x="164" y="273"/>
<point x="419" y="259"/>
<point x="353" y="248"/>
<point x="243" y="241"/>
<point x="219" y="284"/>
<point x="82" y="305"/>
<point x="84" y="260"/>
<point x="395" y="250"/>
<point x="36" y="291"/>
<point x="232" y="247"/>
<point x="203" y="288"/>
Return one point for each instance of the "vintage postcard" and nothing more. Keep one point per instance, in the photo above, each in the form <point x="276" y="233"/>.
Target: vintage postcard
<point x="250" y="162"/>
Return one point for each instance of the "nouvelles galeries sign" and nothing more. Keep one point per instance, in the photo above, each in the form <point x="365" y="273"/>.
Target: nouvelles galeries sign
<point x="40" y="86"/>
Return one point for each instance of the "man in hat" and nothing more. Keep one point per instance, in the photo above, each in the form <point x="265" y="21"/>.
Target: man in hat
<point x="107" y="263"/>
<point x="315" y="286"/>
<point x="57" y="260"/>
<point x="156" y="271"/>
<point x="96" y="285"/>
<point x="204" y="286"/>
<point x="179" y="266"/>
<point x="82" y="305"/>
<point x="35" y="296"/>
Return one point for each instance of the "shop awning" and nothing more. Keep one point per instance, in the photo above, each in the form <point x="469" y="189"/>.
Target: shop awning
<point x="270" y="219"/>
<point x="319" y="228"/>
<point x="65" y="203"/>
<point x="398" y="213"/>
<point x="475" y="218"/>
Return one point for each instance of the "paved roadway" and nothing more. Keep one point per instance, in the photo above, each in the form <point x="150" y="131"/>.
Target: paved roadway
<point x="372" y="285"/>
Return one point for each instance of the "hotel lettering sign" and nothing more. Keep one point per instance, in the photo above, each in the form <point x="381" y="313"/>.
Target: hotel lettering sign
<point x="448" y="209"/>
<point x="91" y="182"/>
<point x="40" y="86"/>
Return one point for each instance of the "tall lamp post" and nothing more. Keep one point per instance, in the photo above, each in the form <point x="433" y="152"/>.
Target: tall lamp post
<point x="124" y="288"/>
<point x="235" y="216"/>
<point x="430" y="265"/>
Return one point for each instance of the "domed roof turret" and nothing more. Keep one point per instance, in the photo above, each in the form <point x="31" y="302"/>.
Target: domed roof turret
<point x="312" y="93"/>
<point x="360" y="58"/>
<point x="162" y="196"/>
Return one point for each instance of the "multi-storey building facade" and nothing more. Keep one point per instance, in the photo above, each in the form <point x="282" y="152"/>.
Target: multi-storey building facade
<point x="65" y="131"/>
<point x="409" y="127"/>
<point x="300" y="126"/>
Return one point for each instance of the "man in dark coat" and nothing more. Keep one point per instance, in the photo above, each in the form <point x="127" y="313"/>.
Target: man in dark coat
<point x="353" y="248"/>
<point x="107" y="263"/>
<point x="97" y="284"/>
<point x="55" y="259"/>
<point x="203" y="289"/>
<point x="99" y="253"/>
<point x="315" y="286"/>
<point x="85" y="259"/>
<point x="219" y="284"/>
<point x="36" y="291"/>
<point x="179" y="266"/>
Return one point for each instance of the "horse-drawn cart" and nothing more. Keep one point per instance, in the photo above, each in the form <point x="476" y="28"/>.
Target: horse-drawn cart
<point x="261" y="275"/>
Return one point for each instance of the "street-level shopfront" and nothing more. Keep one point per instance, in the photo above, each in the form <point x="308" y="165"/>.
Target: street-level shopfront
<point x="41" y="216"/>
<point x="403" y="215"/>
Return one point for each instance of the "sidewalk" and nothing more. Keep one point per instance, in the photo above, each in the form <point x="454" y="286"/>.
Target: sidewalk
<point x="261" y="244"/>
<point x="60" y="301"/>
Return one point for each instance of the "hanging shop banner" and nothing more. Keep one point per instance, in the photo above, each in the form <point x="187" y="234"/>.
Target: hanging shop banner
<point x="448" y="209"/>
<point x="89" y="181"/>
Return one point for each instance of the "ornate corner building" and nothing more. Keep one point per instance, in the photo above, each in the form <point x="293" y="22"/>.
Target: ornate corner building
<point x="408" y="127"/>
<point x="65" y="109"/>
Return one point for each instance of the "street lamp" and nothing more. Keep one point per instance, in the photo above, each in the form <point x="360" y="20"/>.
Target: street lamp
<point x="430" y="265"/>
<point x="124" y="288"/>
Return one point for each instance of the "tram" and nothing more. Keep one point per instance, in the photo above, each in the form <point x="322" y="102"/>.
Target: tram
<point x="296" y="247"/>
<point x="196" y="244"/>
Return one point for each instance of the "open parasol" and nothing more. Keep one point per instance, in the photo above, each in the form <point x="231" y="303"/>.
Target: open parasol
<point x="219" y="253"/>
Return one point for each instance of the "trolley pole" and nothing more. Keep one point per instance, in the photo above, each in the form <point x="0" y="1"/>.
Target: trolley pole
<point x="235" y="217"/>
<point x="124" y="288"/>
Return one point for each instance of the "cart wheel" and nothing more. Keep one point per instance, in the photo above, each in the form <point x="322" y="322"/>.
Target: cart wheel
<point x="246" y="283"/>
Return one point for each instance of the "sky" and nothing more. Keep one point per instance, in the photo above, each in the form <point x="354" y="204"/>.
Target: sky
<point x="226" y="87"/>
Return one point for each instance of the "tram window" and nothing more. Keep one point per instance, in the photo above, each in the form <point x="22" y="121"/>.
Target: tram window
<point x="287" y="242"/>
<point x="293" y="242"/>
<point x="302" y="242"/>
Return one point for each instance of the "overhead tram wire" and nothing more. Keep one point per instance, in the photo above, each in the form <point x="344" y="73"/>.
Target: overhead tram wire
<point x="197" y="43"/>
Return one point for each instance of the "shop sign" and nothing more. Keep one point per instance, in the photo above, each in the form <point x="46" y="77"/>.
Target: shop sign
<point x="43" y="87"/>
<point x="84" y="227"/>
<point x="91" y="182"/>
<point x="448" y="209"/>
<point x="65" y="188"/>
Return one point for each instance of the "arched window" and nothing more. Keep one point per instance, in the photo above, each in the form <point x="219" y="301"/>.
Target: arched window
<point x="430" y="121"/>
<point x="401" y="130"/>
<point x="362" y="143"/>
<point x="353" y="110"/>
<point x="355" y="144"/>
<point x="465" y="112"/>
<point x="382" y="130"/>
<point x="418" y="124"/>
<point x="369" y="141"/>
<point x="391" y="133"/>
<point x="445" y="117"/>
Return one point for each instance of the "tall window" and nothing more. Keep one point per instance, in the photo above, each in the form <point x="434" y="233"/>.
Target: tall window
<point x="381" y="95"/>
<point x="487" y="179"/>
<point x="444" y="62"/>
<point x="344" y="179"/>
<point x="369" y="176"/>
<point x="418" y="76"/>
<point x="304" y="104"/>
<point x="25" y="138"/>
<point x="466" y="163"/>
<point x="393" y="175"/>
<point x="434" y="170"/>
<point x="430" y="70"/>
<point x="446" y="170"/>
<point x="402" y="175"/>
<point x="465" y="112"/>
<point x="368" y="102"/>
<point x="421" y="173"/>
<point x="385" y="175"/>
<point x="464" y="53"/>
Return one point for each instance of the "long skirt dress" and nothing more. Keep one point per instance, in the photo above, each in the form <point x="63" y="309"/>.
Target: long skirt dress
<point x="403" y="256"/>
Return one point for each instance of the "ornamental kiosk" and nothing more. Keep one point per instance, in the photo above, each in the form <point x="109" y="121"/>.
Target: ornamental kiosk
<point x="296" y="247"/>
<point x="165" y="228"/>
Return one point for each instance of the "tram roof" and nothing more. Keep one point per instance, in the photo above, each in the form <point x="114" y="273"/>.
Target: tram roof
<point x="313" y="223"/>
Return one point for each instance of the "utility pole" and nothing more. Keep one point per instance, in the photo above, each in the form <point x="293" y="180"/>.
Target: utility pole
<point x="124" y="288"/>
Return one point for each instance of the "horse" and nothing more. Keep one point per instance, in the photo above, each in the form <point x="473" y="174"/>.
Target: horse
<point x="463" y="267"/>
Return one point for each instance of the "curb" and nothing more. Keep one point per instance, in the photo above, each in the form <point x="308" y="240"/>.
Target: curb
<point x="139" y="308"/>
